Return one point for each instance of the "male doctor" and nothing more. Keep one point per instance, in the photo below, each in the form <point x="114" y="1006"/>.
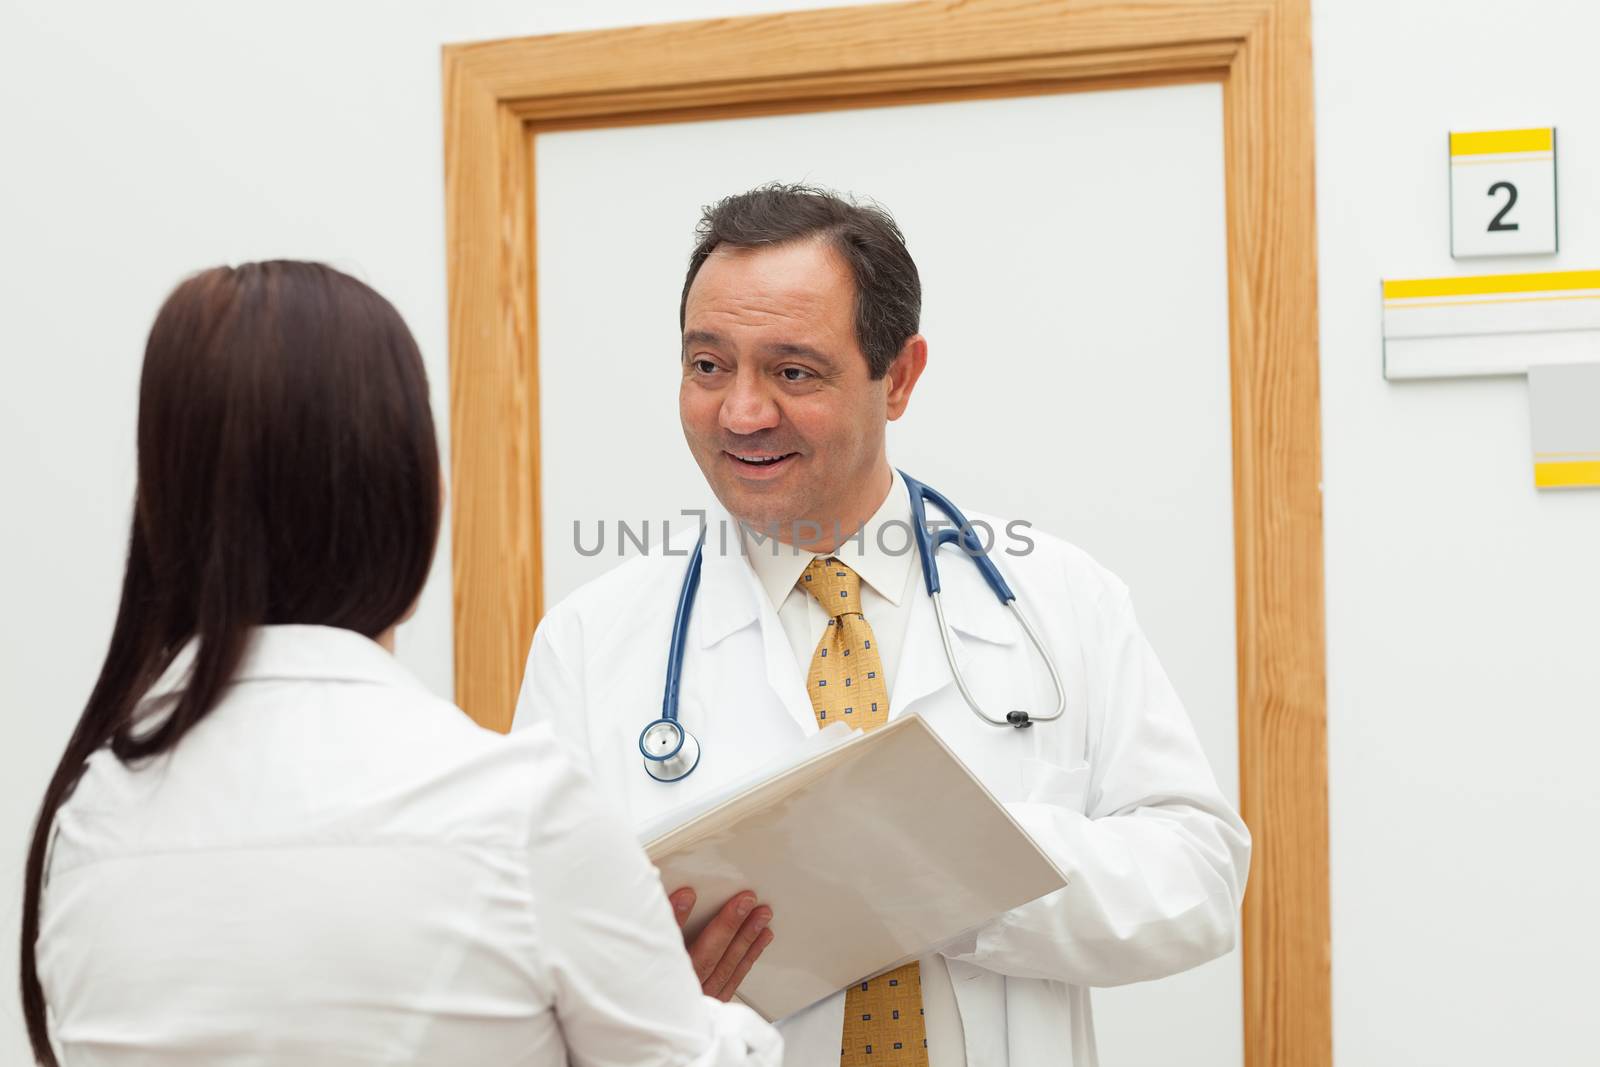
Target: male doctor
<point x="800" y="317"/>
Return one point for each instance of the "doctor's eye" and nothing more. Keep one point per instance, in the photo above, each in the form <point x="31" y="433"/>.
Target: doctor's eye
<point x="795" y="374"/>
<point x="703" y="366"/>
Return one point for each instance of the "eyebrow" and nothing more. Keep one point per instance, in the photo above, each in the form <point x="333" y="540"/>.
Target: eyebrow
<point x="703" y="337"/>
<point x="799" y="351"/>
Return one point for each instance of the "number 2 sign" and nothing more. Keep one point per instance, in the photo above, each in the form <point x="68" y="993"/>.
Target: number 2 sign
<point x="1503" y="192"/>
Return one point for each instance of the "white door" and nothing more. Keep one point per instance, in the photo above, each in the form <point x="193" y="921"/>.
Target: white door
<point x="1073" y="257"/>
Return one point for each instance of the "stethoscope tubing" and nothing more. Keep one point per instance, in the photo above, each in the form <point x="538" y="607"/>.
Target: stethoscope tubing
<point x="671" y="762"/>
<point x="680" y="631"/>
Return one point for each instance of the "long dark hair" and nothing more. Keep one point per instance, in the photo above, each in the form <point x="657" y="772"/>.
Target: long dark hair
<point x="288" y="473"/>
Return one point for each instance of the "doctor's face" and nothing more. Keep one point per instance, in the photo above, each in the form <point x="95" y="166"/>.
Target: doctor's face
<point x="777" y="403"/>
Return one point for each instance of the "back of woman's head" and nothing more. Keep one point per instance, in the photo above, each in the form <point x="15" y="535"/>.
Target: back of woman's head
<point x="288" y="473"/>
<point x="287" y="465"/>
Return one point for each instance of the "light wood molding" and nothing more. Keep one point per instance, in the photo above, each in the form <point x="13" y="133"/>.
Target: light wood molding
<point x="499" y="94"/>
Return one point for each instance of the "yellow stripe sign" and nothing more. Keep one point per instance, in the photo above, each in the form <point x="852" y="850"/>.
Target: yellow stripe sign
<point x="1502" y="142"/>
<point x="1565" y="475"/>
<point x="1503" y="193"/>
<point x="1481" y="324"/>
<point x="1560" y="281"/>
<point x="1564" y="414"/>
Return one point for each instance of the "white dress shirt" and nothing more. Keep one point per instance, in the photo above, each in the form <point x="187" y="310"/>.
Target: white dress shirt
<point x="885" y="558"/>
<point x="336" y="867"/>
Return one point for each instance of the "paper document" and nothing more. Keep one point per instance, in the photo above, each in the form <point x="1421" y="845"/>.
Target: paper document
<point x="870" y="853"/>
<point x="830" y="736"/>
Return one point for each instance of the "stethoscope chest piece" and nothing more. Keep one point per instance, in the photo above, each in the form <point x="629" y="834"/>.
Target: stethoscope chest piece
<point x="670" y="752"/>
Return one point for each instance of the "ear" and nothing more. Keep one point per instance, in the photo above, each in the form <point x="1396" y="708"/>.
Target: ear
<point x="903" y="374"/>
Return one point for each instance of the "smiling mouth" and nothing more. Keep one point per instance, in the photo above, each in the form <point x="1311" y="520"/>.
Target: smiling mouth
<point x="759" y="461"/>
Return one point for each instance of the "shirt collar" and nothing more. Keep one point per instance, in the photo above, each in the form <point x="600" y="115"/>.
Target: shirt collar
<point x="294" y="652"/>
<point x="883" y="558"/>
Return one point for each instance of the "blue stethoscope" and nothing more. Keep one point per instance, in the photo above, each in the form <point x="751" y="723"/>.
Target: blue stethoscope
<point x="671" y="752"/>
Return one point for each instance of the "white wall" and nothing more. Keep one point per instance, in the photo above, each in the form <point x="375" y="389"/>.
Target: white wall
<point x="1463" y="606"/>
<point x="143" y="141"/>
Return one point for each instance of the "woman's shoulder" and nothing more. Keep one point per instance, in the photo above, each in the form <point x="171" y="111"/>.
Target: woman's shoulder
<point x="282" y="763"/>
<point x="461" y="779"/>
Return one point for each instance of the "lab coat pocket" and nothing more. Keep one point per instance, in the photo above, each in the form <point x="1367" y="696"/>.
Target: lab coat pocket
<point x="1047" y="783"/>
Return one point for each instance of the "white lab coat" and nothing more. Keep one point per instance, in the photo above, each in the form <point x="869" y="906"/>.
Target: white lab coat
<point x="1118" y="791"/>
<point x="338" y="868"/>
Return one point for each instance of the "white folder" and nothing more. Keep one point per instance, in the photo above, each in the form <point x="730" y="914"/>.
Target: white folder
<point x="870" y="854"/>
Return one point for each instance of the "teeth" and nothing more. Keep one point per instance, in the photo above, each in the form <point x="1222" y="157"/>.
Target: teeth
<point x="758" y="459"/>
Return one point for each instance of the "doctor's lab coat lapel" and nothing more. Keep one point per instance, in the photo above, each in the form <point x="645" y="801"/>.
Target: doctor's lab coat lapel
<point x="976" y="616"/>
<point x="729" y="600"/>
<point x="974" y="613"/>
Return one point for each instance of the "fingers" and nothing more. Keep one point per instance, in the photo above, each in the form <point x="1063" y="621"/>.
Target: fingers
<point x="760" y="946"/>
<point x="720" y="983"/>
<point x="708" y="948"/>
<point x="730" y="944"/>
<point x="682" y="904"/>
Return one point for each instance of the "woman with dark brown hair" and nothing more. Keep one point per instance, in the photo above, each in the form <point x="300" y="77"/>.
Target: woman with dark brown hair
<point x="266" y="842"/>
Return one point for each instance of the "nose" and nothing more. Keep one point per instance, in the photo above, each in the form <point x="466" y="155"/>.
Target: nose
<point x="748" y="407"/>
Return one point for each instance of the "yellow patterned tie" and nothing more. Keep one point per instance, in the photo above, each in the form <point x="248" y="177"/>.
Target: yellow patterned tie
<point x="883" y="1022"/>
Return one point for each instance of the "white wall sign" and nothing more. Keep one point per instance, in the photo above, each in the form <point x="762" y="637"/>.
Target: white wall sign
<point x="1503" y="192"/>
<point x="1489" y="324"/>
<point x="1564" y="412"/>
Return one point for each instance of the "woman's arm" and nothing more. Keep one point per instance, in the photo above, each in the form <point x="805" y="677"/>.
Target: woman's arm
<point x="625" y="992"/>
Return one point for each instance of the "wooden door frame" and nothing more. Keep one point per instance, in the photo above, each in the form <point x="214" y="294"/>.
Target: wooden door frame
<point x="500" y="94"/>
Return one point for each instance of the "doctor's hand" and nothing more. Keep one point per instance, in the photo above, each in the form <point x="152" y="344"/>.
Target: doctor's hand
<point x="730" y="944"/>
